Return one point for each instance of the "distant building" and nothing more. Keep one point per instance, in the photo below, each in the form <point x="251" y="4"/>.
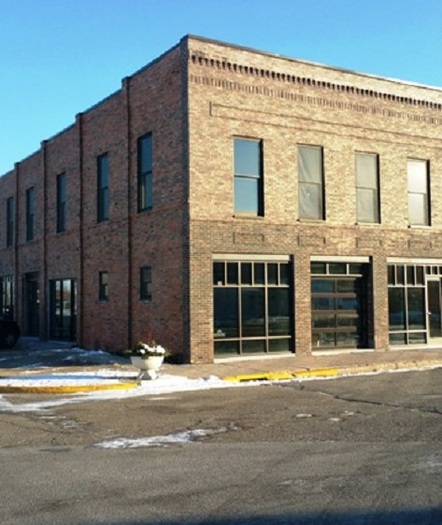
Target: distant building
<point x="229" y="202"/>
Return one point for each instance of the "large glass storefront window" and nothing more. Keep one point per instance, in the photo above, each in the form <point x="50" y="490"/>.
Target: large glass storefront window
<point x="414" y="293"/>
<point x="339" y="305"/>
<point x="252" y="307"/>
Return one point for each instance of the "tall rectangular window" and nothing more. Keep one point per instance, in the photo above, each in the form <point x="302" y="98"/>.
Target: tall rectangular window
<point x="145" y="181"/>
<point x="145" y="283"/>
<point x="311" y="182"/>
<point x="248" y="170"/>
<point x="103" y="286"/>
<point x="367" y="187"/>
<point x="7" y="297"/>
<point x="103" y="188"/>
<point x="30" y="213"/>
<point x="10" y="213"/>
<point x="418" y="193"/>
<point x="61" y="202"/>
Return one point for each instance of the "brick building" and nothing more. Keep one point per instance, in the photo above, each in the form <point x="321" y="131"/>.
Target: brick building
<point x="230" y="202"/>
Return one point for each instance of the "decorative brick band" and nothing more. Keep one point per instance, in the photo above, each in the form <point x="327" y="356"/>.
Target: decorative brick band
<point x="305" y="81"/>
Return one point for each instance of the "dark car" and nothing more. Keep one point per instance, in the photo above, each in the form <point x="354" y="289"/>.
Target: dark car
<point x="9" y="333"/>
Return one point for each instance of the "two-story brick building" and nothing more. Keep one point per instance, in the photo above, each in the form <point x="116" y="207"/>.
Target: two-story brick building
<point x="230" y="202"/>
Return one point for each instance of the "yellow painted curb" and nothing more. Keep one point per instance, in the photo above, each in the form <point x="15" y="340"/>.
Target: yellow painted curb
<point x="319" y="372"/>
<point x="68" y="389"/>
<point x="283" y="374"/>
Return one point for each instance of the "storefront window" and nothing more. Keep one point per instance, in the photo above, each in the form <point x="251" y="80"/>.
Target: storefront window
<point x="252" y="307"/>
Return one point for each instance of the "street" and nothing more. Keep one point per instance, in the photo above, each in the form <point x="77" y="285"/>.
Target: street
<point x="356" y="450"/>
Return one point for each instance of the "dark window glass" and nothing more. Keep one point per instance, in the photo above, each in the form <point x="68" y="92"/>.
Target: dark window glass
<point x="390" y="270"/>
<point x="218" y="273"/>
<point x="323" y="303"/>
<point x="232" y="273"/>
<point x="346" y="285"/>
<point x="62" y="309"/>
<point x="7" y="297"/>
<point x="338" y="268"/>
<point x="225" y="310"/>
<point x="253" y="317"/>
<point x="103" y="286"/>
<point x="145" y="177"/>
<point x="253" y="346"/>
<point x="246" y="273"/>
<point x="367" y="187"/>
<point x="323" y="285"/>
<point x="284" y="273"/>
<point x="279" y="311"/>
<point x="248" y="183"/>
<point x="311" y="182"/>
<point x="272" y="273"/>
<point x="30" y="213"/>
<point x="396" y="308"/>
<point x="61" y="202"/>
<point x="410" y="275"/>
<point x="226" y="347"/>
<point x="318" y="268"/>
<point x="400" y="275"/>
<point x="145" y="283"/>
<point x="259" y="273"/>
<point x="10" y="218"/>
<point x="416" y="308"/>
<point x="103" y="188"/>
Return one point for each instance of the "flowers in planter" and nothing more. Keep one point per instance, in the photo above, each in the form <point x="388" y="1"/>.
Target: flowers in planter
<point x="149" y="349"/>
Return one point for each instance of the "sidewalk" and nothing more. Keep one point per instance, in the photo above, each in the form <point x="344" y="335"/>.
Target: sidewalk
<point x="274" y="367"/>
<point x="51" y="361"/>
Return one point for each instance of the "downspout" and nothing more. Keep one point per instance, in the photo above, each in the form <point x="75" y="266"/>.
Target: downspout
<point x="80" y="291"/>
<point x="126" y="89"/>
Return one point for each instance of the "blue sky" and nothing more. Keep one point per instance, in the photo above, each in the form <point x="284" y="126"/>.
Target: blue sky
<point x="59" y="57"/>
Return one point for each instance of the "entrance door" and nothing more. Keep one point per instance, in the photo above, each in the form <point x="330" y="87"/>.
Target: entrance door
<point x="434" y="308"/>
<point x="31" y="304"/>
<point x="62" y="298"/>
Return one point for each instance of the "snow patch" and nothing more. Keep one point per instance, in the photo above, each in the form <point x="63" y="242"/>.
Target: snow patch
<point x="157" y="441"/>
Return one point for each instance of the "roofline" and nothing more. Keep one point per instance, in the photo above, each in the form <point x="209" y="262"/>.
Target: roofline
<point x="311" y="63"/>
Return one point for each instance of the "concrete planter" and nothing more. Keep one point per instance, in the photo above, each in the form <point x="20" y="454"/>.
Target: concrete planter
<point x="148" y="366"/>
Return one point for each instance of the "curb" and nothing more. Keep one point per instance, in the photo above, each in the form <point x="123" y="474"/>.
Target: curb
<point x="332" y="371"/>
<point x="67" y="389"/>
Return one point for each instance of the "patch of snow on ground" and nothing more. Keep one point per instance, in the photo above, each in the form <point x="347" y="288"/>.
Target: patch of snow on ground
<point x="157" y="441"/>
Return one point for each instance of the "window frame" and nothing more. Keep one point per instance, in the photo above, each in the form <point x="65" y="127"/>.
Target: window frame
<point x="10" y="221"/>
<point x="103" y="286"/>
<point x="303" y="184"/>
<point x="61" y="202"/>
<point x="258" y="176"/>
<point x="103" y="199"/>
<point x="426" y="195"/>
<point x="30" y="213"/>
<point x="146" y="283"/>
<point x="375" y="191"/>
<point x="144" y="176"/>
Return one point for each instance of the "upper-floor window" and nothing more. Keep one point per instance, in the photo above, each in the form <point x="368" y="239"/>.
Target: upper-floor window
<point x="367" y="187"/>
<point x="103" y="188"/>
<point x="10" y="213"/>
<point x="103" y="286"/>
<point x="418" y="193"/>
<point x="311" y="182"/>
<point x="145" y="183"/>
<point x="248" y="171"/>
<point x="61" y="202"/>
<point x="145" y="283"/>
<point x="30" y="213"/>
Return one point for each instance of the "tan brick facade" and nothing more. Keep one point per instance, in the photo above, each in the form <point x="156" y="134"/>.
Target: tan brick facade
<point x="195" y="99"/>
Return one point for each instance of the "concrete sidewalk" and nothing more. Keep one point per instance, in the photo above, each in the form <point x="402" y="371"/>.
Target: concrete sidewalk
<point x="236" y="369"/>
<point x="282" y="367"/>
